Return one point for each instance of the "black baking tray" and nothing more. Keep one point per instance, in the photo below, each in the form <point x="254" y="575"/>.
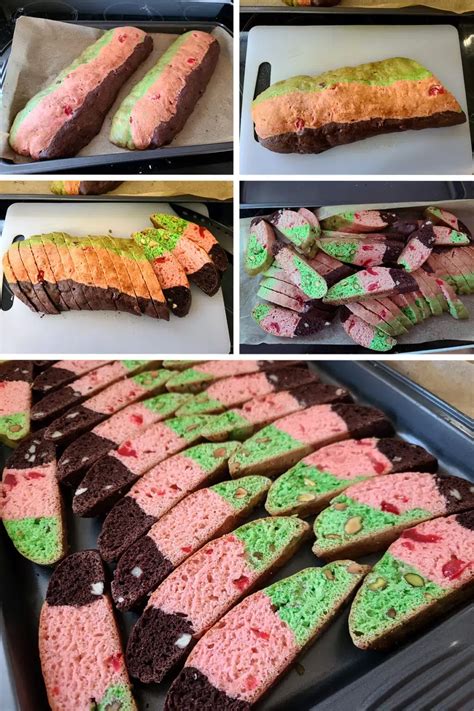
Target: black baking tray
<point x="332" y="667"/>
<point x="117" y="162"/>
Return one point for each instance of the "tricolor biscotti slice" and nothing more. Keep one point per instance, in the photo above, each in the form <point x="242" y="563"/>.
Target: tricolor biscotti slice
<point x="286" y="294"/>
<point x="373" y="317"/>
<point x="198" y="377"/>
<point x="370" y="283"/>
<point x="299" y="270"/>
<point x="23" y="251"/>
<point x="310" y="485"/>
<point x="30" y="503"/>
<point x="362" y="252"/>
<point x="333" y="270"/>
<point x="268" y="630"/>
<point x="285" y="323"/>
<point x="259" y="249"/>
<point x="356" y="222"/>
<point x="429" y="293"/>
<point x="310" y="114"/>
<point x="445" y="236"/>
<point x="425" y="572"/>
<point x="203" y="588"/>
<point x="439" y="216"/>
<point x="241" y="388"/>
<point x="455" y="305"/>
<point x="294" y="228"/>
<point x="79" y="643"/>
<point x="364" y="333"/>
<point x="110" y="477"/>
<point x="64" y="372"/>
<point x="158" y="491"/>
<point x="110" y="434"/>
<point x="15" y="401"/>
<point x="197" y="519"/>
<point x="369" y="515"/>
<point x="239" y="424"/>
<point x="417" y="249"/>
<point x="280" y="445"/>
<point x="95" y="410"/>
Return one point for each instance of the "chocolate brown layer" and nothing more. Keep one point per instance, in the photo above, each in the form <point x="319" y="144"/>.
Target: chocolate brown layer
<point x="98" y="187"/>
<point x="338" y="274"/>
<point x="207" y="278"/>
<point x="219" y="257"/>
<point x="320" y="394"/>
<point x="125" y="523"/>
<point x="32" y="452"/>
<point x="53" y="378"/>
<point x="458" y="493"/>
<point x="145" y="558"/>
<point x="55" y="403"/>
<point x="285" y="378"/>
<point x="36" y="278"/>
<point x="17" y="370"/>
<point x="80" y="455"/>
<point x="403" y="281"/>
<point x="311" y="322"/>
<point x="407" y="457"/>
<point x="73" y="423"/>
<point x="77" y="581"/>
<point x="178" y="299"/>
<point x="363" y="421"/>
<point x="193" y="690"/>
<point x="466" y="519"/>
<point x="317" y="140"/>
<point x="105" y="482"/>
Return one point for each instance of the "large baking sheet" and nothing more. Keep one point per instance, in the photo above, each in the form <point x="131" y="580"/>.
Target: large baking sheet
<point x="314" y="49"/>
<point x="333" y="661"/>
<point x="22" y="332"/>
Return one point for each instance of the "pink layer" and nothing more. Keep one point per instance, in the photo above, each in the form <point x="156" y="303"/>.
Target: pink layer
<point x="405" y="491"/>
<point x="314" y="425"/>
<point x="127" y="423"/>
<point x="441" y="559"/>
<point x="30" y="493"/>
<point x="200" y="235"/>
<point x="376" y="279"/>
<point x="226" y="368"/>
<point x="247" y="650"/>
<point x="232" y="391"/>
<point x="15" y="396"/>
<point x="414" y="254"/>
<point x="369" y="255"/>
<point x="149" y="448"/>
<point x="269" y="407"/>
<point x="190" y="524"/>
<point x="79" y="366"/>
<point x="281" y="322"/>
<point x="114" y="398"/>
<point x="81" y="654"/>
<point x="350" y="459"/>
<point x="99" y="378"/>
<point x="207" y="584"/>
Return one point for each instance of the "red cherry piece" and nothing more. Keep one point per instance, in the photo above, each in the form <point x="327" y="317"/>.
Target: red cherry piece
<point x="241" y="582"/>
<point x="379" y="467"/>
<point x="409" y="545"/>
<point x="55" y="690"/>
<point x="130" y="120"/>
<point x="126" y="450"/>
<point x="40" y="275"/>
<point x="68" y="110"/>
<point x="35" y="475"/>
<point x="115" y="661"/>
<point x="251" y="683"/>
<point x="440" y="282"/>
<point x="186" y="549"/>
<point x="122" y="38"/>
<point x="156" y="97"/>
<point x="191" y="60"/>
<point x="208" y="551"/>
<point x="419" y="537"/>
<point x="367" y="248"/>
<point x="373" y="286"/>
<point x="159" y="260"/>
<point x="260" y="633"/>
<point x="299" y="124"/>
<point x="175" y="487"/>
<point x="275" y="326"/>
<point x="137" y="419"/>
<point x="372" y="272"/>
<point x="10" y="480"/>
<point x="436" y="89"/>
<point x="389" y="508"/>
<point x="454" y="567"/>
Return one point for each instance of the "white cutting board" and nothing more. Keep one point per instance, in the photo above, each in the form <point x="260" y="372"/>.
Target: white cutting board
<point x="203" y="330"/>
<point x="311" y="50"/>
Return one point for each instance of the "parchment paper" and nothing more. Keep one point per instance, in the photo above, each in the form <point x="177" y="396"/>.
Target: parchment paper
<point x="458" y="6"/>
<point x="42" y="48"/>
<point x="436" y="328"/>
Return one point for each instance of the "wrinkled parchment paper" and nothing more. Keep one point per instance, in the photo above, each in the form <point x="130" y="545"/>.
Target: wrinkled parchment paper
<point x="436" y="328"/>
<point x="458" y="6"/>
<point x="42" y="48"/>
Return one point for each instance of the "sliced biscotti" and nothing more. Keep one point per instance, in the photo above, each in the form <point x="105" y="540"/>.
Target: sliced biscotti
<point x="18" y="281"/>
<point x="200" y="376"/>
<point x="286" y="323"/>
<point x="158" y="491"/>
<point x="369" y="515"/>
<point x="126" y="424"/>
<point x="30" y="502"/>
<point x="368" y="252"/>
<point x="370" y="283"/>
<point x="241" y="423"/>
<point x="424" y="572"/>
<point x="195" y="595"/>
<point x="364" y="333"/>
<point x="110" y="477"/>
<point x="356" y="221"/>
<point x="293" y="227"/>
<point x="15" y="401"/>
<point x="79" y="643"/>
<point x="198" y="518"/>
<point x="259" y="248"/>
<point x="300" y="271"/>
<point x="64" y="372"/>
<point x="268" y="629"/>
<point x="285" y="294"/>
<point x="311" y="484"/>
<point x="281" y="444"/>
<point x="23" y="251"/>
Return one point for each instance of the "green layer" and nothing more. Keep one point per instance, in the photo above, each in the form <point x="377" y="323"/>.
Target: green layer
<point x="231" y="424"/>
<point x="191" y="376"/>
<point x="118" y="697"/>
<point x="339" y="221"/>
<point x="15" y="426"/>
<point x="173" y="223"/>
<point x="381" y="341"/>
<point x="344" y="251"/>
<point x="298" y="235"/>
<point x="265" y="539"/>
<point x="268" y="443"/>
<point x="38" y="539"/>
<point x="180" y="364"/>
<point x="152" y="378"/>
<point x="348" y="287"/>
<point x="257" y="257"/>
<point x="156" y="242"/>
<point x="209" y="456"/>
<point x="459" y="238"/>
<point x="312" y="283"/>
<point x="201" y="404"/>
<point x="165" y="404"/>
<point x="260" y="312"/>
<point x="239" y="492"/>
<point x="189" y="428"/>
<point x="134" y="364"/>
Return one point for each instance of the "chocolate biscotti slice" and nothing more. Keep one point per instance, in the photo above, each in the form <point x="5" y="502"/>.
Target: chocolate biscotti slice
<point x="84" y="187"/>
<point x="369" y="515"/>
<point x="425" y="572"/>
<point x="281" y="444"/>
<point x="63" y="117"/>
<point x="285" y="323"/>
<point x="79" y="643"/>
<point x="268" y="629"/>
<point x="125" y="425"/>
<point x="158" y="106"/>
<point x="198" y="377"/>
<point x="309" y="486"/>
<point x="352" y="103"/>
<point x="195" y="595"/>
<point x="158" y="491"/>
<point x="30" y="502"/>
<point x="366" y="252"/>
<point x="300" y="271"/>
<point x="15" y="401"/>
<point x="293" y="227"/>
<point x="194" y="521"/>
<point x="370" y="283"/>
<point x="259" y="248"/>
<point x="110" y="477"/>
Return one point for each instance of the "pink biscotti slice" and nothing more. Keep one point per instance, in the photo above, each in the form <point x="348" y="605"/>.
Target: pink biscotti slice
<point x="301" y="273"/>
<point x="286" y="323"/>
<point x="259" y="249"/>
<point x="200" y="376"/>
<point x="281" y="444"/>
<point x="203" y="588"/>
<point x="293" y="228"/>
<point x="15" y="401"/>
<point x="425" y="572"/>
<point x="79" y="643"/>
<point x="370" y="283"/>
<point x="365" y="334"/>
<point x="268" y="630"/>
<point x="201" y="516"/>
<point x="417" y="249"/>
<point x="64" y="372"/>
<point x="309" y="486"/>
<point x="30" y="502"/>
<point x="367" y="252"/>
<point x="369" y="515"/>
<point x="158" y="491"/>
<point x="358" y="221"/>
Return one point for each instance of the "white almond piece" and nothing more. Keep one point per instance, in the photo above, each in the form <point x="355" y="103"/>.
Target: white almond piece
<point x="56" y="434"/>
<point x="80" y="491"/>
<point x="456" y="494"/>
<point x="72" y="415"/>
<point x="97" y="588"/>
<point x="183" y="641"/>
<point x="137" y="572"/>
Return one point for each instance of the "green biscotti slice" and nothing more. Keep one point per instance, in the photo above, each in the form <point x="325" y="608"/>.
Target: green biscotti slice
<point x="38" y="539"/>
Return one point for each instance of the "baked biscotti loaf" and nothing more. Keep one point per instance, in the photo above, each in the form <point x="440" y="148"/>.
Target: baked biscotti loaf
<point x="201" y="516"/>
<point x="84" y="187"/>
<point x="269" y="629"/>
<point x="62" y="118"/>
<point x="309" y="486"/>
<point x="160" y="104"/>
<point x="15" y="401"/>
<point x="395" y="94"/>
<point x="424" y="573"/>
<point x="79" y="643"/>
<point x="369" y="515"/>
<point x="195" y="595"/>
<point x="201" y="375"/>
<point x="371" y="283"/>
<point x="64" y="372"/>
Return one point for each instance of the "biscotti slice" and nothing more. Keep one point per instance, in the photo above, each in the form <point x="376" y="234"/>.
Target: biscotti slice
<point x="18" y="280"/>
<point x="79" y="643"/>
<point x="408" y="306"/>
<point x="158" y="106"/>
<point x="149" y="278"/>
<point x="120" y="291"/>
<point x="201" y="375"/>
<point x="128" y="298"/>
<point x="259" y="249"/>
<point x="333" y="270"/>
<point x="310" y="216"/>
<point x="350" y="104"/>
<point x="15" y="401"/>
<point x="293" y="227"/>
<point x="364" y="334"/>
<point x="142" y="294"/>
<point x="63" y="117"/>
<point x="66" y="293"/>
<point x="373" y="317"/>
<point x="285" y="323"/>
<point x="47" y="275"/>
<point x="358" y="221"/>
<point x="271" y="288"/>
<point x="417" y="249"/>
<point x="110" y="477"/>
<point x="196" y="595"/>
<point x="370" y="283"/>
<point x="64" y="372"/>
<point x="439" y="216"/>
<point x="362" y="252"/>
<point x="125" y="425"/>
<point x="301" y="273"/>
<point x="158" y="491"/>
<point x="455" y="305"/>
<point x="458" y="263"/>
<point x="394" y="311"/>
<point x="91" y="299"/>
<point x="281" y="444"/>
<point x="369" y="515"/>
<point x="429" y="293"/>
<point x="36" y="277"/>
<point x="268" y="630"/>
<point x="425" y="572"/>
<point x="230" y="392"/>
<point x="197" y="519"/>
<point x="239" y="424"/>
<point x="83" y="187"/>
<point x="181" y="364"/>
<point x="73" y="268"/>
<point x="445" y="236"/>
<point x="310" y="485"/>
<point x="24" y="267"/>
<point x="389" y="312"/>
